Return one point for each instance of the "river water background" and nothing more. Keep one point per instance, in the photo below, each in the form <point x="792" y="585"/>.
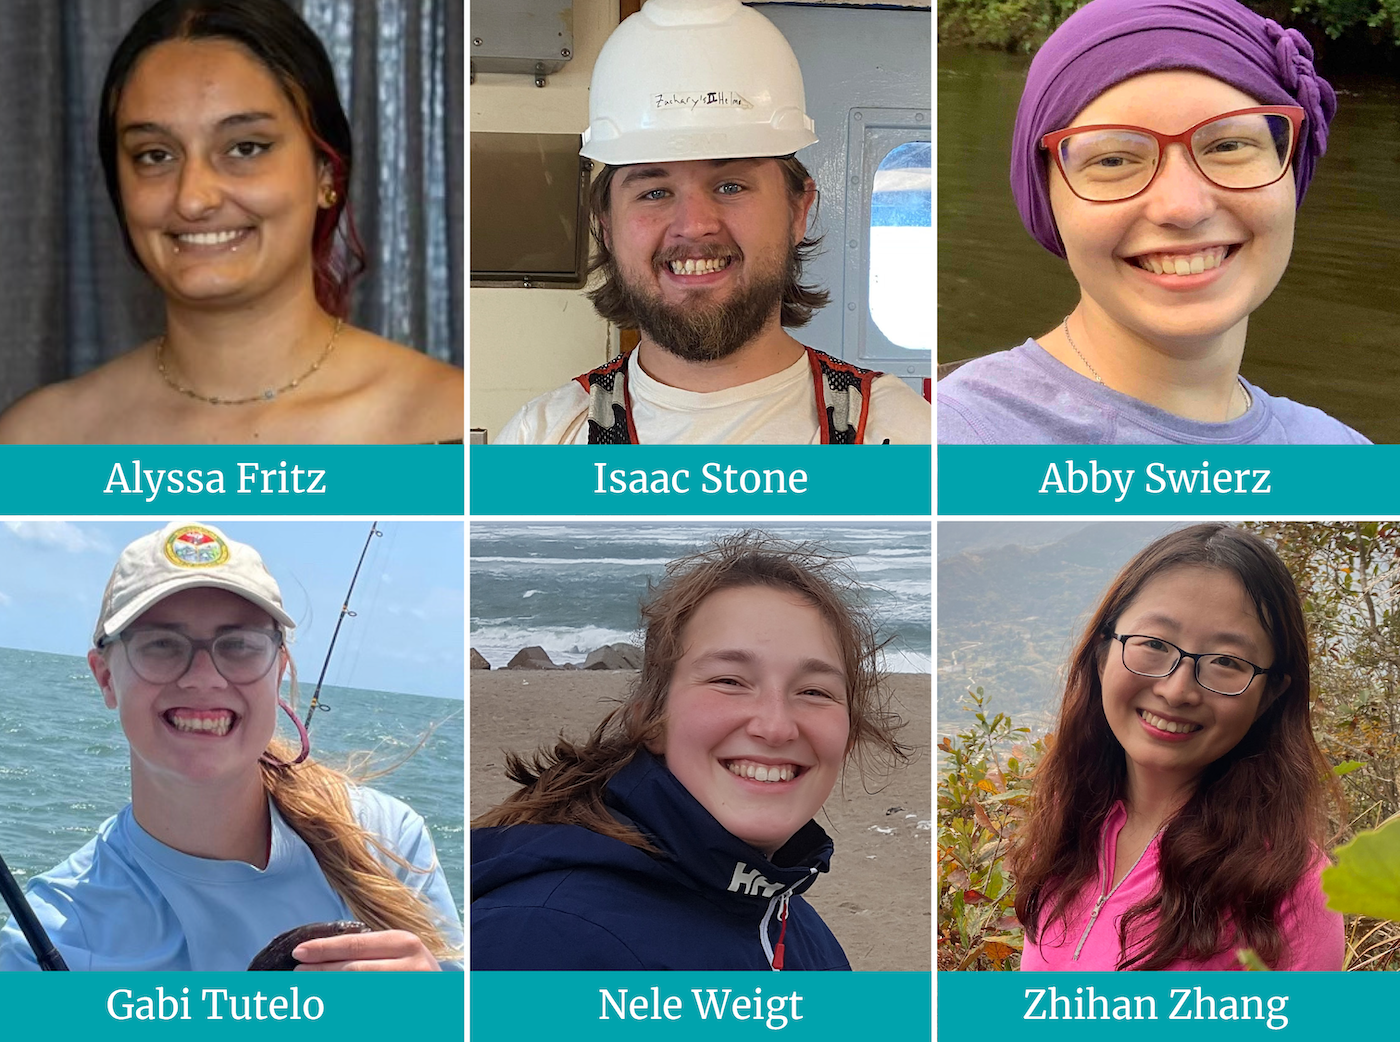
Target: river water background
<point x="1327" y="336"/>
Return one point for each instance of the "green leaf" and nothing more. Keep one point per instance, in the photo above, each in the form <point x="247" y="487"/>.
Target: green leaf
<point x="1366" y="878"/>
<point x="1346" y="768"/>
<point x="1249" y="959"/>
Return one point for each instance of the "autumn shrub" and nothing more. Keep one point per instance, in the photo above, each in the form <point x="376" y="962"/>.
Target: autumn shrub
<point x="983" y="796"/>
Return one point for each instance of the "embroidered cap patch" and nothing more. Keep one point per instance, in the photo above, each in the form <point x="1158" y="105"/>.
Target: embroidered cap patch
<point x="195" y="547"/>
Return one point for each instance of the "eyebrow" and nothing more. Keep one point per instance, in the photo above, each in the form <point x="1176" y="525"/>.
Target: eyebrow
<point x="1223" y="636"/>
<point x="652" y="173"/>
<point x="744" y="657"/>
<point x="238" y="119"/>
<point x="183" y="627"/>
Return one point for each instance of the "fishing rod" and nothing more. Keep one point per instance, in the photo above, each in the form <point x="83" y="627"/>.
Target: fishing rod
<point x="344" y="611"/>
<point x="34" y="932"/>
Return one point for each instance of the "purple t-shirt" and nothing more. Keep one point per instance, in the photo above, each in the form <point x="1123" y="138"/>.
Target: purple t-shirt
<point x="1026" y="396"/>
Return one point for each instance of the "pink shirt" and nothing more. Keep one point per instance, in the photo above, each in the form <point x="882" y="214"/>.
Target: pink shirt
<point x="1313" y="934"/>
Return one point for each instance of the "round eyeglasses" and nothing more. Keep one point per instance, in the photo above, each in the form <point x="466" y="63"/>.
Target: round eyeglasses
<point x="163" y="656"/>
<point x="1239" y="150"/>
<point x="1216" y="671"/>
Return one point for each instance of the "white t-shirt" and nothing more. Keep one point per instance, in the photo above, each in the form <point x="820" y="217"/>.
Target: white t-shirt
<point x="778" y="410"/>
<point x="126" y="901"/>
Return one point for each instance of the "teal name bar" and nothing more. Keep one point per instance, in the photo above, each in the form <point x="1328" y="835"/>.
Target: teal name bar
<point x="232" y="480"/>
<point x="1184" y="1006"/>
<point x="694" y="1005"/>
<point x="700" y="479"/>
<point x="1146" y="479"/>
<point x="335" y="1006"/>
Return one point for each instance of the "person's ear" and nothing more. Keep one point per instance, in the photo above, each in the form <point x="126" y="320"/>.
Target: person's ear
<point x="102" y="673"/>
<point x="326" y="195"/>
<point x="1272" y="694"/>
<point x="801" y="208"/>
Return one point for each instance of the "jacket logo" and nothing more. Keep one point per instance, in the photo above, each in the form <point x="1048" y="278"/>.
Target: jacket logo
<point x="751" y="882"/>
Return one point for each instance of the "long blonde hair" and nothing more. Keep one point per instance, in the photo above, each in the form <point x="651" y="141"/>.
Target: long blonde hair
<point x="315" y="801"/>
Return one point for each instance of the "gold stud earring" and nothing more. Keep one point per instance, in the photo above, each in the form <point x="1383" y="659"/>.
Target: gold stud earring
<point x="330" y="198"/>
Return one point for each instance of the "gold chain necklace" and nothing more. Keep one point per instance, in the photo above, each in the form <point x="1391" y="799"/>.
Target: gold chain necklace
<point x="266" y="396"/>
<point x="1248" y="398"/>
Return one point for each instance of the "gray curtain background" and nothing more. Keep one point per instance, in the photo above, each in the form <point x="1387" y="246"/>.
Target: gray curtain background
<point x="69" y="296"/>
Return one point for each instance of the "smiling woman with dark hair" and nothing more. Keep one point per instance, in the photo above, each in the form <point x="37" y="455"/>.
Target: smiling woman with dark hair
<point x="227" y="155"/>
<point x="1178" y="817"/>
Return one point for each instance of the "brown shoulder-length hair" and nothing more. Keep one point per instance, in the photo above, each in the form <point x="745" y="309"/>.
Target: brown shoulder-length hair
<point x="1255" y="824"/>
<point x="564" y="785"/>
<point x="800" y="302"/>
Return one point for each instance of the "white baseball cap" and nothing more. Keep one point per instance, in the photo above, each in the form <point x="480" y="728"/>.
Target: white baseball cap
<point x="184" y="555"/>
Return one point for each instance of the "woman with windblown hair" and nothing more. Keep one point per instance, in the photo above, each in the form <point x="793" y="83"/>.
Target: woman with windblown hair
<point x="1178" y="817"/>
<point x="679" y="834"/>
<point x="232" y="837"/>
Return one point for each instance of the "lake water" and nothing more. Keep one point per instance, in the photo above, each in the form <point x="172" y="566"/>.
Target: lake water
<point x="1326" y="337"/>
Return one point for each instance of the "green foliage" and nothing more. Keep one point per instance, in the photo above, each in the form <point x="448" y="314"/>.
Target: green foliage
<point x="1012" y="25"/>
<point x="1023" y="25"/>
<point x="1349" y="576"/>
<point x="1366" y="878"/>
<point x="1337" y="16"/>
<point x="983" y="795"/>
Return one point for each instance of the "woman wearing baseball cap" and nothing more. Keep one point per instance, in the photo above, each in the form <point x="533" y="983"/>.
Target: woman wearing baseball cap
<point x="232" y="836"/>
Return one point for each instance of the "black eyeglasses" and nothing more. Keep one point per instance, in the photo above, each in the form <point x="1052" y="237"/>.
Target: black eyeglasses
<point x="163" y="656"/>
<point x="1216" y="671"/>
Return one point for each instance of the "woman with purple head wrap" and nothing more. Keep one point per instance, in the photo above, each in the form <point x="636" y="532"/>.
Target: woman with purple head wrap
<point x="1161" y="147"/>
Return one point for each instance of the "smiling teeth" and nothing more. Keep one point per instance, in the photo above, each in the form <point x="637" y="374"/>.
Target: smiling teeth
<point x="1167" y="725"/>
<point x="215" y="725"/>
<point x="699" y="266"/>
<point x="209" y="238"/>
<point x="1182" y="263"/>
<point x="763" y="772"/>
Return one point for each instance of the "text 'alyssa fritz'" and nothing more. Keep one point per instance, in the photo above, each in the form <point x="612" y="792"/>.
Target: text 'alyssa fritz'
<point x="248" y="479"/>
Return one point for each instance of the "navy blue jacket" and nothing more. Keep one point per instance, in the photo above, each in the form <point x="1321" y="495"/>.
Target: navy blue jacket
<point x="562" y="897"/>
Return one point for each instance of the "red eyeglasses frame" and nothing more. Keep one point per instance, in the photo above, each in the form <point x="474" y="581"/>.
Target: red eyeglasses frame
<point x="1051" y="143"/>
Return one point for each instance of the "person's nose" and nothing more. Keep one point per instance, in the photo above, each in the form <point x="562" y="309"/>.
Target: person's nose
<point x="696" y="215"/>
<point x="1181" y="688"/>
<point x="200" y="189"/>
<point x="202" y="672"/>
<point x="1180" y="196"/>
<point x="772" y="720"/>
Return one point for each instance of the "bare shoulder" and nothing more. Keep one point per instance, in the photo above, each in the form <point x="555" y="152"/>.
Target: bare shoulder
<point x="410" y="397"/>
<point x="82" y="410"/>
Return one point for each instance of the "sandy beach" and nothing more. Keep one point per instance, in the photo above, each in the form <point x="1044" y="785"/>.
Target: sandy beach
<point x="877" y="898"/>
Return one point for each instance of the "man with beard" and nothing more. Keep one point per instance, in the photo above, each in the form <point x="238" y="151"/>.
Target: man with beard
<point x="699" y="215"/>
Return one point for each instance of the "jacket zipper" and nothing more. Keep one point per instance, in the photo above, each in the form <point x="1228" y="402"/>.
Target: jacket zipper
<point x="1103" y="898"/>
<point x="778" y="903"/>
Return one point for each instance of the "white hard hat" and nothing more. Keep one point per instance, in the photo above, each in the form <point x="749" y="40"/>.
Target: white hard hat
<point x="695" y="79"/>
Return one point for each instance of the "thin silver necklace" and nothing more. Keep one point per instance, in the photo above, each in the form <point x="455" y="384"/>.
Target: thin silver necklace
<point x="1075" y="347"/>
<point x="1248" y="398"/>
<point x="266" y="396"/>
